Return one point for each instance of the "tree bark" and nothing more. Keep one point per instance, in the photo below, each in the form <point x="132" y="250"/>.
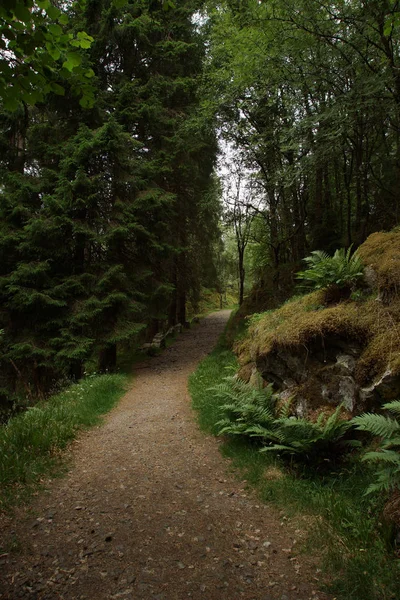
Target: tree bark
<point x="108" y="358"/>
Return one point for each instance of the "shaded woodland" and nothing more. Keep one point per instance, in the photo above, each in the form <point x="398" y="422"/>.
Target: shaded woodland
<point x="308" y="96"/>
<point x="109" y="210"/>
<point x="110" y="204"/>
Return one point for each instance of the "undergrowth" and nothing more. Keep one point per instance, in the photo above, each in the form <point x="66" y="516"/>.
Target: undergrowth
<point x="256" y="413"/>
<point x="30" y="443"/>
<point x="387" y="456"/>
<point x="344" y="525"/>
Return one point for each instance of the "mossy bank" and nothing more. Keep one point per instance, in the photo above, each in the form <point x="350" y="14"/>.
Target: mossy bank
<point x="325" y="353"/>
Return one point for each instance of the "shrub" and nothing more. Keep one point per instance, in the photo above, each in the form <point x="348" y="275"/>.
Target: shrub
<point x="254" y="413"/>
<point x="342" y="270"/>
<point x="387" y="456"/>
<point x="317" y="442"/>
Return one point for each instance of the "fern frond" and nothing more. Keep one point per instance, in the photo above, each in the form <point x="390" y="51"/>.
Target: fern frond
<point x="232" y="429"/>
<point x="278" y="448"/>
<point x="376" y="424"/>
<point x="391" y="443"/>
<point x="393" y="407"/>
<point x="335" y="426"/>
<point x="388" y="478"/>
<point x="298" y="427"/>
<point x="378" y="487"/>
<point x="388" y="456"/>
<point x="316" y="256"/>
<point x="263" y="432"/>
<point x="285" y="408"/>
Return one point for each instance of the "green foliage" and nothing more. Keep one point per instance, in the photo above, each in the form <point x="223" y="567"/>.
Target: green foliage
<point x="343" y="525"/>
<point x="343" y="269"/>
<point x="386" y="459"/>
<point x="311" y="143"/>
<point x="30" y="442"/>
<point x="37" y="47"/>
<point x="247" y="411"/>
<point x="254" y="413"/>
<point x="108" y="209"/>
<point x="212" y="371"/>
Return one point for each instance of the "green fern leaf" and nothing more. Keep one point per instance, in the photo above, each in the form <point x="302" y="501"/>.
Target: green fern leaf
<point x="394" y="407"/>
<point x="391" y="443"/>
<point x="376" y="424"/>
<point x="278" y="448"/>
<point x="389" y="456"/>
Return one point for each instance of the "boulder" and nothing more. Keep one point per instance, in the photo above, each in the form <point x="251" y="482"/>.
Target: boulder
<point x="322" y="374"/>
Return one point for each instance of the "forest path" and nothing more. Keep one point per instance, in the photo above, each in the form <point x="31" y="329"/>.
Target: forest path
<point x="148" y="511"/>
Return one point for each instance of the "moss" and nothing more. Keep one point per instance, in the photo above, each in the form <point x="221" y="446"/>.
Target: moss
<point x="245" y="372"/>
<point x="381" y="253"/>
<point x="371" y="324"/>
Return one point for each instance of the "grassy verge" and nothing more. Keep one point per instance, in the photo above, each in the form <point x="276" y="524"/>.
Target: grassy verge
<point x="210" y="301"/>
<point x="344" y="526"/>
<point x="31" y="443"/>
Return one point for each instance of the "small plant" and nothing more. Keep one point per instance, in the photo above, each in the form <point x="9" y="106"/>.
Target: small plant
<point x="342" y="270"/>
<point x="387" y="456"/>
<point x="317" y="442"/>
<point x="345" y="526"/>
<point x="247" y="411"/>
<point x="254" y="413"/>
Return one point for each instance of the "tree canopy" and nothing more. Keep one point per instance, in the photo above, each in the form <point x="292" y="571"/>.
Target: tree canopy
<point x="308" y="93"/>
<point x="110" y="204"/>
<point x="107" y="211"/>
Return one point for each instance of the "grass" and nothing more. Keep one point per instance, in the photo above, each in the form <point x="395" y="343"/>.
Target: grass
<point x="344" y="526"/>
<point x="210" y="301"/>
<point x="31" y="443"/>
<point x="218" y="364"/>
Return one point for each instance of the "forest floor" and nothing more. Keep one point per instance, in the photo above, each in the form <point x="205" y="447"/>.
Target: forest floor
<point x="149" y="509"/>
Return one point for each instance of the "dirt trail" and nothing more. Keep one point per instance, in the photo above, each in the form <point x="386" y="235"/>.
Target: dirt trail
<point x="148" y="511"/>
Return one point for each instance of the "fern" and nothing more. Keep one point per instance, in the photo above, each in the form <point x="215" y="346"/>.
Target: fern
<point x="378" y="425"/>
<point x="393" y="407"/>
<point x="387" y="457"/>
<point x="315" y="441"/>
<point x="253" y="413"/>
<point x="343" y="269"/>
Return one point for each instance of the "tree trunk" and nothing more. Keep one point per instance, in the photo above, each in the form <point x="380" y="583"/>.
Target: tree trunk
<point x="173" y="307"/>
<point x="242" y="275"/>
<point x="108" y="358"/>
<point x="76" y="370"/>
<point x="182" y="307"/>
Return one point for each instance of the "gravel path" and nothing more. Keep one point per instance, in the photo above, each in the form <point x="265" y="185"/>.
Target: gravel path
<point x="149" y="512"/>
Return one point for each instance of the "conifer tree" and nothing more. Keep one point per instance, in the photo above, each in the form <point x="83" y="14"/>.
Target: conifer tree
<point x="102" y="208"/>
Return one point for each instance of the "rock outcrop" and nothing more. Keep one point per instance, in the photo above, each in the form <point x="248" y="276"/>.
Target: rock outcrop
<point x="323" y="355"/>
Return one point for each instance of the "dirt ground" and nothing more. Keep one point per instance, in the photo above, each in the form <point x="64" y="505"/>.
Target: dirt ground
<point x="150" y="511"/>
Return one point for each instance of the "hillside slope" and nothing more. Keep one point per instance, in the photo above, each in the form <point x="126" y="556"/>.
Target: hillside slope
<point x="322" y="353"/>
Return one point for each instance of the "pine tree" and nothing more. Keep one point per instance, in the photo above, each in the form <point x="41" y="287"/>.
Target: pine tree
<point x="102" y="208"/>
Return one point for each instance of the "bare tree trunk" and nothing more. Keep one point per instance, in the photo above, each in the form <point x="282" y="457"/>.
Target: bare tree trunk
<point x="242" y="274"/>
<point x="108" y="358"/>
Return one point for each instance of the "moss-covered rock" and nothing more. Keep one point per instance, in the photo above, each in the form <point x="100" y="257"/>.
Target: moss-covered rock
<point x="326" y="354"/>
<point x="381" y="257"/>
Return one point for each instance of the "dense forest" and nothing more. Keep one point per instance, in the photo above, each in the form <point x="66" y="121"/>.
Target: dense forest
<point x="109" y="206"/>
<point x="113" y="114"/>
